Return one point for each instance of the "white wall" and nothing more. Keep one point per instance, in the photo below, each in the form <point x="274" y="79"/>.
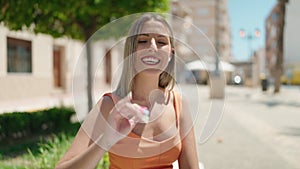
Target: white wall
<point x="99" y="51"/>
<point x="3" y="32"/>
<point x="291" y="33"/>
<point x="41" y="81"/>
<point x="22" y="85"/>
<point x="42" y="56"/>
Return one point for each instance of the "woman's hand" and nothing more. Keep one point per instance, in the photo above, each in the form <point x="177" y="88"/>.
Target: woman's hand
<point x="121" y="120"/>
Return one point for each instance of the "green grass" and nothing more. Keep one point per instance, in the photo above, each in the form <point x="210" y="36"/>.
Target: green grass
<point x="14" y="163"/>
<point x="42" y="154"/>
<point x="39" y="152"/>
<point x="46" y="156"/>
<point x="49" y="153"/>
<point x="5" y="166"/>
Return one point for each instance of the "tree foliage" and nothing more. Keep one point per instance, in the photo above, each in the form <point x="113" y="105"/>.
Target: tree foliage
<point x="77" y="19"/>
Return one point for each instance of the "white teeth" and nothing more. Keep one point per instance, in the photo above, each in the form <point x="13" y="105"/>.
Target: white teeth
<point x="150" y="60"/>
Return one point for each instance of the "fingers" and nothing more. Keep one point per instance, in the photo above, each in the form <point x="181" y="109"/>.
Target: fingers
<point x="122" y="103"/>
<point x="131" y="111"/>
<point x="126" y="99"/>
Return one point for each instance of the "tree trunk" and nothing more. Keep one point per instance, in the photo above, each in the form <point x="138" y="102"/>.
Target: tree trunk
<point x="277" y="82"/>
<point x="89" y="75"/>
<point x="280" y="54"/>
<point x="88" y="33"/>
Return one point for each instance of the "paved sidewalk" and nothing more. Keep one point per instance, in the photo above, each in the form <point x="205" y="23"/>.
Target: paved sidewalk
<point x="288" y="95"/>
<point x="258" y="130"/>
<point x="36" y="103"/>
<point x="51" y="100"/>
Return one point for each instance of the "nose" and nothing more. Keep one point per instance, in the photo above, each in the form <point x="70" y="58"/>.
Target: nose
<point x="153" y="45"/>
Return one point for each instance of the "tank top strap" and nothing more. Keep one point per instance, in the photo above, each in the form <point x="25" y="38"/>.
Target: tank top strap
<point x="177" y="106"/>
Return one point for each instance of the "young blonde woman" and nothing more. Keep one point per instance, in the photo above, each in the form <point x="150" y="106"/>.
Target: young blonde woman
<point x="144" y="123"/>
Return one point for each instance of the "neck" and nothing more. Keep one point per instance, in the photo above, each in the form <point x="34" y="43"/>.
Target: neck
<point x="144" y="84"/>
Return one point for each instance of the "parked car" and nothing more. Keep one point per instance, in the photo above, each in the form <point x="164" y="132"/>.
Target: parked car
<point x="237" y="80"/>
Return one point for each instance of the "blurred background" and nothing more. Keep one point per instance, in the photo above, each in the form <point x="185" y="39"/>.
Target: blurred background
<point x="248" y="50"/>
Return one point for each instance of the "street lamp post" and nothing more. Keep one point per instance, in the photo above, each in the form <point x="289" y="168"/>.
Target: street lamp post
<point x="250" y="38"/>
<point x="250" y="75"/>
<point x="217" y="79"/>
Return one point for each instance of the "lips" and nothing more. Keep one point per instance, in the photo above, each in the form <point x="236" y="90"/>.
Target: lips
<point x="150" y="60"/>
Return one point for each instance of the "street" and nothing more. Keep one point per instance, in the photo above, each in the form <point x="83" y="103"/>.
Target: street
<point x="258" y="130"/>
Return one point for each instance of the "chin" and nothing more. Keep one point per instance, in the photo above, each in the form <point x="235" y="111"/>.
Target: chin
<point x="151" y="71"/>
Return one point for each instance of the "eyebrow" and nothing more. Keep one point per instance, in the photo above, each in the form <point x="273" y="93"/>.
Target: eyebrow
<point x="145" y="34"/>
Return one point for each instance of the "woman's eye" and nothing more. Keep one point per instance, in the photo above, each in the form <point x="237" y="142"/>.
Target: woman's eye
<point x="162" y="43"/>
<point x="142" y="41"/>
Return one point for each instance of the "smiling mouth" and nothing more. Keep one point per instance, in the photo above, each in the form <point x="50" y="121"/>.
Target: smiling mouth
<point x="150" y="60"/>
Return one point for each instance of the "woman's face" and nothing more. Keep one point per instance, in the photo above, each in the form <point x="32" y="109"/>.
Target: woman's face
<point x="153" y="50"/>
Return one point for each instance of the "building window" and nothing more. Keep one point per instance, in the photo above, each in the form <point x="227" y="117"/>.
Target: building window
<point x="18" y="56"/>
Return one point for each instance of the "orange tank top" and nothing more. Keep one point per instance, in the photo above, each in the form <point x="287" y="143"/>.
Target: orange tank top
<point x="137" y="152"/>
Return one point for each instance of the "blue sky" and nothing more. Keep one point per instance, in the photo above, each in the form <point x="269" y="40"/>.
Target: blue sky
<point x="248" y="15"/>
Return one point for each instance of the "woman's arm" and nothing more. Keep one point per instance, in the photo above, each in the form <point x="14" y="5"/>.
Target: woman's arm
<point x="84" y="152"/>
<point x="81" y="155"/>
<point x="104" y="126"/>
<point x="188" y="158"/>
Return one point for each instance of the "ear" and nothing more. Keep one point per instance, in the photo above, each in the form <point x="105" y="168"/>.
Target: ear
<point x="172" y="54"/>
<point x="172" y="51"/>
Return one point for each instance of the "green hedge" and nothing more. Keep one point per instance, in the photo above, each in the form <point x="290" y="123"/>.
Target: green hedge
<point x="22" y="124"/>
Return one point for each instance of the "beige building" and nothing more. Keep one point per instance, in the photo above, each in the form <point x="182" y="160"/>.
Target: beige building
<point x="212" y="33"/>
<point x="291" y="32"/>
<point x="207" y="36"/>
<point x="37" y="65"/>
<point x="291" y="43"/>
<point x="33" y="65"/>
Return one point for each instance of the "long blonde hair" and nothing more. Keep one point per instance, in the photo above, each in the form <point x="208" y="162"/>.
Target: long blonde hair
<point x="166" y="78"/>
